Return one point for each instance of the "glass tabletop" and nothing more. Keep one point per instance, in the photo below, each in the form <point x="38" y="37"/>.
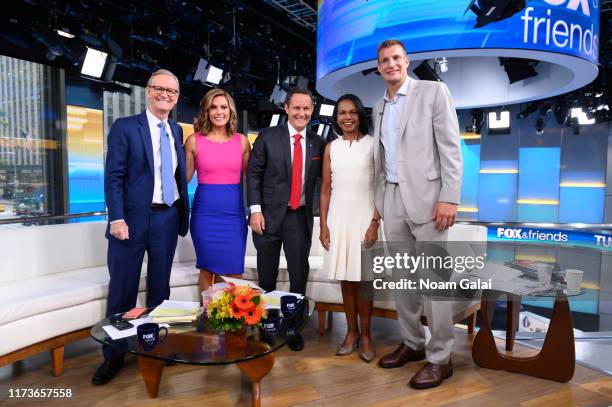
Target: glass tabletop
<point x="184" y="344"/>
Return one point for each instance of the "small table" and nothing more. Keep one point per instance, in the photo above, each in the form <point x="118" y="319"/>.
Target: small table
<point x="557" y="358"/>
<point x="185" y="345"/>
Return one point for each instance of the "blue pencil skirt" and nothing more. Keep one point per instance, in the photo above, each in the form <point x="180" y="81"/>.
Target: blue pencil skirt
<point x="218" y="228"/>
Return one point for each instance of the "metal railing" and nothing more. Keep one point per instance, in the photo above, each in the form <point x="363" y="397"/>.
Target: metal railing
<point x="48" y="219"/>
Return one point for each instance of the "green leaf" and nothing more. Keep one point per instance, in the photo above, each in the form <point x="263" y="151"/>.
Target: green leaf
<point x="255" y="300"/>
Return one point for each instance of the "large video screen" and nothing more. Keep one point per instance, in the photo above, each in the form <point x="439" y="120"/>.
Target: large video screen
<point x="349" y="31"/>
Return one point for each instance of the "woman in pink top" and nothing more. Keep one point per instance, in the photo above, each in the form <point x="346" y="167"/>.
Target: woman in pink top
<point x="219" y="155"/>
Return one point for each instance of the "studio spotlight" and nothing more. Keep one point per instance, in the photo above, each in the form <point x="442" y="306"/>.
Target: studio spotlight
<point x="442" y="64"/>
<point x="530" y="108"/>
<point x="580" y="115"/>
<point x="518" y="69"/>
<point x="545" y="109"/>
<point x="499" y="122"/>
<point x="489" y="11"/>
<point x="561" y="113"/>
<point x="326" y="110"/>
<point x="207" y="73"/>
<point x="474" y="121"/>
<point x="278" y="96"/>
<point x="214" y="75"/>
<point x="539" y="125"/>
<point x="575" y="125"/>
<point x="320" y="129"/>
<point x="298" y="81"/>
<point x="366" y="72"/>
<point x="94" y="63"/>
<point x="65" y="34"/>
<point x="424" y="72"/>
<point x="602" y="113"/>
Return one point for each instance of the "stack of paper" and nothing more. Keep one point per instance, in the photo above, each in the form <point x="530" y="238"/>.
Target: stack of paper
<point x="497" y="273"/>
<point x="175" y="311"/>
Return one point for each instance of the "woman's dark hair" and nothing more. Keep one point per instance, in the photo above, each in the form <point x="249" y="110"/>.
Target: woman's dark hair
<point x="364" y="125"/>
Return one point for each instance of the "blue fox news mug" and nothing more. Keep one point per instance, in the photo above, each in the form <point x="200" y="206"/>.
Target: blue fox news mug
<point x="290" y="305"/>
<point x="272" y="323"/>
<point x="148" y="335"/>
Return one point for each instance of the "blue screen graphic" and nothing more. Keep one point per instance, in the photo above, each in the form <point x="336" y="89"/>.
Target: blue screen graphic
<point x="349" y="31"/>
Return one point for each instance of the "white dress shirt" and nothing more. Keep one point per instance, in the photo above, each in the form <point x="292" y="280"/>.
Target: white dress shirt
<point x="390" y="129"/>
<point x="292" y="133"/>
<point x="155" y="140"/>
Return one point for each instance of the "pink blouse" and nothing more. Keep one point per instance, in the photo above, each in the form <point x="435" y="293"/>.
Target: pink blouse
<point x="218" y="163"/>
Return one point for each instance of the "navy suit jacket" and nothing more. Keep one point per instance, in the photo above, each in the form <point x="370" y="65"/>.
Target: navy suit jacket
<point x="129" y="179"/>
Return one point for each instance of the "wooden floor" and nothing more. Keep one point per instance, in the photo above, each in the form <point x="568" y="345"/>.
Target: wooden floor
<point x="313" y="377"/>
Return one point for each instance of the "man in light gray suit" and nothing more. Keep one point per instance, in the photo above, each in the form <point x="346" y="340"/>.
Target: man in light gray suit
<point x="417" y="158"/>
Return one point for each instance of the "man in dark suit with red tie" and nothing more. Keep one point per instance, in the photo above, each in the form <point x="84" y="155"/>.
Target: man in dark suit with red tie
<point x="283" y="169"/>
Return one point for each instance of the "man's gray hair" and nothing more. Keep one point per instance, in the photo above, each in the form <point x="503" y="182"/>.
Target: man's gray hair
<point x="164" y="72"/>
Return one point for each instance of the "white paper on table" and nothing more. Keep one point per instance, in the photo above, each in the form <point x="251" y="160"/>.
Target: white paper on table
<point x="523" y="286"/>
<point x="170" y="308"/>
<point x="179" y="305"/>
<point x="239" y="281"/>
<point x="497" y="272"/>
<point x="115" y="333"/>
<point x="272" y="299"/>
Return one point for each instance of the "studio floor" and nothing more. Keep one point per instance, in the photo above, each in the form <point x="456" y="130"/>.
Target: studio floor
<point x="313" y="377"/>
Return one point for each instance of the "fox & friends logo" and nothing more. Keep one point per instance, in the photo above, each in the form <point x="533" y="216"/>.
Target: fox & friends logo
<point x="531" y="234"/>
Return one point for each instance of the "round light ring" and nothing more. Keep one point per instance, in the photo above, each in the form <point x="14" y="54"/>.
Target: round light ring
<point x="563" y="35"/>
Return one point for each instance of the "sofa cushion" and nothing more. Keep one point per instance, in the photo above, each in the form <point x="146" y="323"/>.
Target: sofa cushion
<point x="316" y="269"/>
<point x="23" y="298"/>
<point x="37" y="251"/>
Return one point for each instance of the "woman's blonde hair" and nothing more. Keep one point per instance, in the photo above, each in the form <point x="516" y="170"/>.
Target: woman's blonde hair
<point x="202" y="122"/>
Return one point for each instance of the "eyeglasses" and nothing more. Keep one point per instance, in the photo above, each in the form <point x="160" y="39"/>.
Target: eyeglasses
<point x="160" y="90"/>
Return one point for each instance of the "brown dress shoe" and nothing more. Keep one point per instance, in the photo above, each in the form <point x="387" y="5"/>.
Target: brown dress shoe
<point x="400" y="356"/>
<point x="431" y="375"/>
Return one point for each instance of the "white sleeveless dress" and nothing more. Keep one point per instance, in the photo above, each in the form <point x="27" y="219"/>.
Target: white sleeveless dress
<point x="351" y="206"/>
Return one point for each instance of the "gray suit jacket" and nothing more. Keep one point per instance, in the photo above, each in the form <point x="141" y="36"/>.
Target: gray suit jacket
<point x="429" y="164"/>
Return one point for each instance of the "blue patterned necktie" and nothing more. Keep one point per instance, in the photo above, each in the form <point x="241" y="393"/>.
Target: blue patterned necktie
<point x="166" y="166"/>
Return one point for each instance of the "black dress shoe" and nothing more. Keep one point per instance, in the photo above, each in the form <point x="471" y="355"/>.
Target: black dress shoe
<point x="296" y="343"/>
<point x="106" y="372"/>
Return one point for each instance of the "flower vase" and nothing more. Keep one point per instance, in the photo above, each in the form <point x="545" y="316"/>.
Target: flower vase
<point x="236" y="339"/>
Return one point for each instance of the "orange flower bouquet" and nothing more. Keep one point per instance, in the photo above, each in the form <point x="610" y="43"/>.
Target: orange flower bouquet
<point x="234" y="308"/>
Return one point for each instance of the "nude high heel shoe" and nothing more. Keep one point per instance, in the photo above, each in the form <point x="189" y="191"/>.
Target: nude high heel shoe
<point x="347" y="350"/>
<point x="366" y="356"/>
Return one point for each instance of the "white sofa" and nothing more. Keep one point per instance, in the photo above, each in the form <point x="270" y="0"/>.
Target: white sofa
<point x="54" y="284"/>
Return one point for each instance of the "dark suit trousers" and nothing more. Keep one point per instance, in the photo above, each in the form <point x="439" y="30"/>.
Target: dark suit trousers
<point x="125" y="263"/>
<point x="293" y="235"/>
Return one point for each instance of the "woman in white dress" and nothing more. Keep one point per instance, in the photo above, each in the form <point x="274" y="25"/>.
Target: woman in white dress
<point x="349" y="218"/>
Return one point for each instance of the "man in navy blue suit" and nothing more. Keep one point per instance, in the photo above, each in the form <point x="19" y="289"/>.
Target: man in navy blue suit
<point x="146" y="195"/>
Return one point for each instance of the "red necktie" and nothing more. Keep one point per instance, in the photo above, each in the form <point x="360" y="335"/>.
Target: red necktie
<point x="296" y="174"/>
